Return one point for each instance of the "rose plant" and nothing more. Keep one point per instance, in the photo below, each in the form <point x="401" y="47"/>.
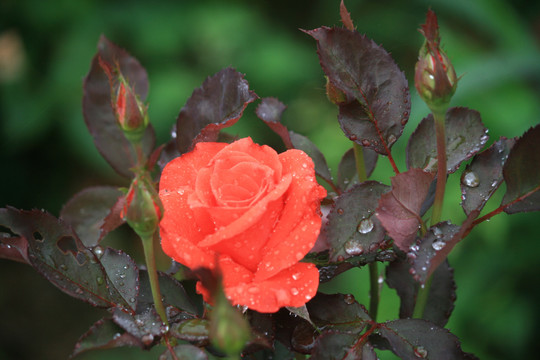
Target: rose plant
<point x="253" y="231"/>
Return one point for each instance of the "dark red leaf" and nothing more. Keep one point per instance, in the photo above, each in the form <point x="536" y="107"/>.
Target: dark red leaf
<point x="98" y="113"/>
<point x="413" y="339"/>
<point x="347" y="175"/>
<point x="334" y="345"/>
<point x="338" y="311"/>
<point x="365" y="72"/>
<point x="399" y="209"/>
<point x="270" y="110"/>
<point x="483" y="175"/>
<point x="218" y="103"/>
<point x="103" y="278"/>
<point x="303" y="143"/>
<point x="351" y="229"/>
<point x="345" y="17"/>
<point x="104" y="334"/>
<point x="522" y="174"/>
<point x="465" y="136"/>
<point x="93" y="213"/>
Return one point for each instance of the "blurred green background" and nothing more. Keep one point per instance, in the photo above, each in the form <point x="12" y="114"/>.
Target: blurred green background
<point x="47" y="154"/>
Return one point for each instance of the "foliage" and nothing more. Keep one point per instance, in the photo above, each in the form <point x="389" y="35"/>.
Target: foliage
<point x="367" y="222"/>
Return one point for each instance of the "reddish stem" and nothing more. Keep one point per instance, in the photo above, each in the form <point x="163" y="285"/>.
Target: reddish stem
<point x="362" y="340"/>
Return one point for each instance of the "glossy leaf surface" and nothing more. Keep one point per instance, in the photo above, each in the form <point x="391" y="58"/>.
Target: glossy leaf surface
<point x="270" y="110"/>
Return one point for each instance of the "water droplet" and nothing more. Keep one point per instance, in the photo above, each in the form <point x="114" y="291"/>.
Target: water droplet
<point x="437" y="232"/>
<point x="366" y="142"/>
<point x="340" y="258"/>
<point x="122" y="276"/>
<point x="139" y="323"/>
<point x="99" y="280"/>
<point x="438" y="245"/>
<point x="121" y="283"/>
<point x="78" y="291"/>
<point x="294" y="291"/>
<point x="253" y="290"/>
<point x="470" y="179"/>
<point x="391" y="139"/>
<point x="63" y="267"/>
<point x="365" y="226"/>
<point x="349" y="299"/>
<point x="98" y="251"/>
<point x="353" y="247"/>
<point x="494" y="183"/>
<point x="339" y="211"/>
<point x="296" y="276"/>
<point x="147" y="339"/>
<point x="352" y="137"/>
<point x="132" y="300"/>
<point x="380" y="280"/>
<point x="116" y="336"/>
<point x="420" y="352"/>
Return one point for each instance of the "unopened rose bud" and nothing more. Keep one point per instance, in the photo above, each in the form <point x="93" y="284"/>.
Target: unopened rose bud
<point x="142" y="209"/>
<point x="229" y="330"/>
<point x="335" y="95"/>
<point x="435" y="77"/>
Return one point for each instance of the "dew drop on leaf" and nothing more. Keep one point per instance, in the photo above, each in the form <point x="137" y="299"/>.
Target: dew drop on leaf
<point x="420" y="352"/>
<point x="340" y="211"/>
<point x="353" y="247"/>
<point x="99" y="280"/>
<point x="365" y="226"/>
<point x="349" y="299"/>
<point x="98" y="251"/>
<point x="470" y="179"/>
<point x="438" y="245"/>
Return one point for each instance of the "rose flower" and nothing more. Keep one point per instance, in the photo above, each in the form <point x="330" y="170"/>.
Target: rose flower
<point x="250" y="211"/>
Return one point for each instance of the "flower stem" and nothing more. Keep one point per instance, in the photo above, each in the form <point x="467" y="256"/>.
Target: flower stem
<point x="439" y="116"/>
<point x="148" y="246"/>
<point x="373" y="272"/>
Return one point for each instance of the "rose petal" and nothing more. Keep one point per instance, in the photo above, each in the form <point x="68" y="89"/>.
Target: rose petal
<point x="293" y="286"/>
<point x="250" y="217"/>
<point x="300" y="220"/>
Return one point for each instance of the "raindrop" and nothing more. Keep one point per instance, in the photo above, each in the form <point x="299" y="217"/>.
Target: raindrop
<point x="420" y="352"/>
<point x="365" y="226"/>
<point x="470" y="179"/>
<point x="122" y="276"/>
<point x="340" y="258"/>
<point x="349" y="299"/>
<point x="391" y="139"/>
<point x="99" y="280"/>
<point x="366" y="142"/>
<point x="121" y="283"/>
<point x="353" y="247"/>
<point x="494" y="183"/>
<point x="294" y="291"/>
<point x="139" y="323"/>
<point x="352" y="137"/>
<point x="380" y="280"/>
<point x="438" y="245"/>
<point x="63" y="267"/>
<point x="296" y="276"/>
<point x="78" y="291"/>
<point x="116" y="336"/>
<point x="147" y="339"/>
<point x="437" y="232"/>
<point x="340" y="211"/>
<point x="98" y="251"/>
<point x="132" y="300"/>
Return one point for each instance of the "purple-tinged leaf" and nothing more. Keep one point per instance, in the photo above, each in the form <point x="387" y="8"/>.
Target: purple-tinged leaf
<point x="218" y="103"/>
<point x="104" y="334"/>
<point x="14" y="248"/>
<point x="351" y="229"/>
<point x="365" y="72"/>
<point x="442" y="292"/>
<point x="328" y="272"/>
<point x="92" y="213"/>
<point x="483" y="175"/>
<point x="338" y="311"/>
<point x="184" y="351"/>
<point x="334" y="345"/>
<point x="347" y="174"/>
<point x="413" y="339"/>
<point x="301" y="142"/>
<point x="301" y="312"/>
<point x="522" y="174"/>
<point x="435" y="241"/>
<point x="98" y="112"/>
<point x="55" y="252"/>
<point x="303" y="338"/>
<point x="345" y="16"/>
<point x="270" y="110"/>
<point x="399" y="209"/>
<point x="465" y="136"/>
<point x="146" y="327"/>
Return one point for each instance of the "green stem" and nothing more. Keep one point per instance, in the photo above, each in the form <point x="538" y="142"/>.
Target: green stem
<point x="439" y="116"/>
<point x="373" y="272"/>
<point x="441" y="166"/>
<point x="148" y="246"/>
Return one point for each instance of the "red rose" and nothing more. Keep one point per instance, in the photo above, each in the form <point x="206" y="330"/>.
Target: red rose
<point x="253" y="211"/>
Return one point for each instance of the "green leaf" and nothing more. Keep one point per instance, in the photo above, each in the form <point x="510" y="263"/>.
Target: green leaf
<point x="270" y="110"/>
<point x="93" y="213"/>
<point x="184" y="352"/>
<point x="102" y="277"/>
<point x="351" y="229"/>
<point x="465" y="136"/>
<point x="347" y="174"/>
<point x="399" y="210"/>
<point x="104" y="334"/>
<point x="413" y="339"/>
<point x="483" y="175"/>
<point x="98" y="113"/>
<point x="366" y="73"/>
<point x="218" y="103"/>
<point x="522" y="174"/>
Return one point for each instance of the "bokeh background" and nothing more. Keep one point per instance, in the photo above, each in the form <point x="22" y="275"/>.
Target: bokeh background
<point x="47" y="155"/>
